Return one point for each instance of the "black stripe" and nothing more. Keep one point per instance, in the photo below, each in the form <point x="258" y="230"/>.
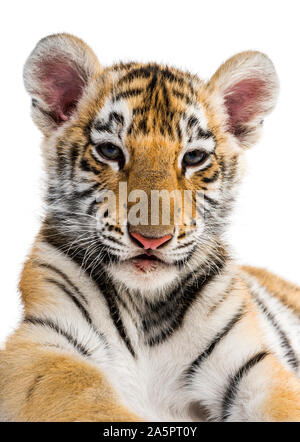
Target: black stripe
<point x="102" y="127"/>
<point x="142" y="126"/>
<point x="113" y="249"/>
<point x="108" y="290"/>
<point x="169" y="313"/>
<point x="128" y="305"/>
<point x="201" y="211"/>
<point x="181" y="246"/>
<point x="285" y="342"/>
<point x="140" y="110"/>
<point x="61" y="157"/>
<point x="205" y="354"/>
<point x="78" y="304"/>
<point x="86" y="167"/>
<point x="80" y="194"/>
<point x="74" y="155"/>
<point x="179" y="132"/>
<point x="200" y="172"/>
<point x="128" y="93"/>
<point x="166" y="74"/>
<point x="165" y="95"/>
<point x="64" y="276"/>
<point x="172" y="308"/>
<point x="74" y="152"/>
<point x="73" y="298"/>
<point x="53" y="326"/>
<point x="192" y="122"/>
<point x="183" y="234"/>
<point x="155" y="100"/>
<point x="211" y="201"/>
<point x="204" y="134"/>
<point x="142" y="72"/>
<point x="124" y="66"/>
<point x="212" y="178"/>
<point x="112" y="239"/>
<point x="118" y="118"/>
<point x="92" y="208"/>
<point x="33" y="386"/>
<point x="152" y="83"/>
<point x="181" y="96"/>
<point x="232" y="389"/>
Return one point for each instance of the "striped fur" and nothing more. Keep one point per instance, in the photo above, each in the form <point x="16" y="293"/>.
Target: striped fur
<point x="195" y="337"/>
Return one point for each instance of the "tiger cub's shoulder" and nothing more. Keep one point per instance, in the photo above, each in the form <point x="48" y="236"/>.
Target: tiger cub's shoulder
<point x="287" y="292"/>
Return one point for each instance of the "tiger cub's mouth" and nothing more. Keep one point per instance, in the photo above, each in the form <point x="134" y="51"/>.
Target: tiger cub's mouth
<point x="146" y="262"/>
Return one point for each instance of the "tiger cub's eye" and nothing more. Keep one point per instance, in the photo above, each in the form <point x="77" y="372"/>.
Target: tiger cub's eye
<point x="109" y="151"/>
<point x="194" y="157"/>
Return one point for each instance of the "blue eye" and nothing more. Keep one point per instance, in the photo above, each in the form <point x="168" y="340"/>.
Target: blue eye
<point x="194" y="157"/>
<point x="110" y="151"/>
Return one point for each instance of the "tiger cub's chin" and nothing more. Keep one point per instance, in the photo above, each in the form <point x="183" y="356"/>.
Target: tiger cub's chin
<point x="144" y="276"/>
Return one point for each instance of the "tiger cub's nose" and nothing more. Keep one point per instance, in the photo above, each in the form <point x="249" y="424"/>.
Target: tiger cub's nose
<point x="150" y="243"/>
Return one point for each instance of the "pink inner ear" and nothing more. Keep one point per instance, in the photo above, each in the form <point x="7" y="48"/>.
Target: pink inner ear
<point x="63" y="87"/>
<point x="244" y="100"/>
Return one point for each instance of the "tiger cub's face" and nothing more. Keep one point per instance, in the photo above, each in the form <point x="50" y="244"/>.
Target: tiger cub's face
<point x="120" y="140"/>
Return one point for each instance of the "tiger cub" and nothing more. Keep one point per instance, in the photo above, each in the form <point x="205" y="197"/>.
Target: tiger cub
<point x="129" y="318"/>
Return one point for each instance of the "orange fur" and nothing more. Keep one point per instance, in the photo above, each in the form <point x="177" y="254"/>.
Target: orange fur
<point x="49" y="386"/>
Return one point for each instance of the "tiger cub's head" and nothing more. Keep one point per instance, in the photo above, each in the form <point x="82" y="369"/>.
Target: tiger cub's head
<point x="142" y="160"/>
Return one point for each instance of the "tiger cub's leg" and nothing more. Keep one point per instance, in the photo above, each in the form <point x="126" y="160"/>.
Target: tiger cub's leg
<point x="269" y="393"/>
<point x="41" y="385"/>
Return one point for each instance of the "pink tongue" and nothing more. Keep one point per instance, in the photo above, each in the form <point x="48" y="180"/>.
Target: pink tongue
<point x="144" y="264"/>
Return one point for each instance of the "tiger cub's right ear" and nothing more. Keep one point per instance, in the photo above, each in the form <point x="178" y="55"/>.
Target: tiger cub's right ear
<point x="56" y="75"/>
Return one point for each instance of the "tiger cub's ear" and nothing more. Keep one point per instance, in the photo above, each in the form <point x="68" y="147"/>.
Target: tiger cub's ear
<point x="55" y="75"/>
<point x="249" y="87"/>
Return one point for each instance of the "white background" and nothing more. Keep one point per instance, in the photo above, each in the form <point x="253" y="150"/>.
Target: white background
<point x="194" y="35"/>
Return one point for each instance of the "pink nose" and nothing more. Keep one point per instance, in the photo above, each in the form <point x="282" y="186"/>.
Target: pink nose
<point x="150" y="243"/>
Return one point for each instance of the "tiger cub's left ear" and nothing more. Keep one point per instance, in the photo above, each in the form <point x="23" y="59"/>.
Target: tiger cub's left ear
<point x="249" y="87"/>
<point x="56" y="75"/>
